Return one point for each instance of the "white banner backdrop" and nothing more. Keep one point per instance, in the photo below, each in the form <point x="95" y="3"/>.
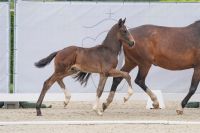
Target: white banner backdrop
<point x="4" y="47"/>
<point x="42" y="28"/>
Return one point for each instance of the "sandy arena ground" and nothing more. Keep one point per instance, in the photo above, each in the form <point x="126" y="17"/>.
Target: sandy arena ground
<point x="132" y="110"/>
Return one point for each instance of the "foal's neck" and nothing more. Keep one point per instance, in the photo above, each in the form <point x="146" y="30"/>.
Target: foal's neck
<point x="112" y="42"/>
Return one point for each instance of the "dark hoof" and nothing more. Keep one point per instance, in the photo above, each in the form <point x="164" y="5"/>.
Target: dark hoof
<point x="65" y="104"/>
<point x="179" y="112"/>
<point x="104" y="106"/>
<point x="156" y="106"/>
<point x="125" y="100"/>
<point x="39" y="113"/>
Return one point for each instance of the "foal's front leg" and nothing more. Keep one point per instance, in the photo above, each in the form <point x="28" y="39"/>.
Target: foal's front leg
<point x="102" y="82"/>
<point x="118" y="73"/>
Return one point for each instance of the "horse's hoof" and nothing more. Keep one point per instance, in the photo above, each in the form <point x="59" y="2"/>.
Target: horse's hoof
<point x="156" y="105"/>
<point x="125" y="99"/>
<point x="39" y="113"/>
<point x="179" y="112"/>
<point x="104" y="106"/>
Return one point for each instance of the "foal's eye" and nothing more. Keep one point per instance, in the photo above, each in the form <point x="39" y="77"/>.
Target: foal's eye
<point x="125" y="31"/>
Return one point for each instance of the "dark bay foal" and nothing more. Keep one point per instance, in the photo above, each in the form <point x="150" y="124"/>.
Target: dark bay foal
<point x="81" y="62"/>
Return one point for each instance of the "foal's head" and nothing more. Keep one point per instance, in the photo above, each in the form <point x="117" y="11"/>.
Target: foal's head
<point x="123" y="34"/>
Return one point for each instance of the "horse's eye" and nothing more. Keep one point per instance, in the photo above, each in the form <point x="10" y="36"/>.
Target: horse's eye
<point x="125" y="31"/>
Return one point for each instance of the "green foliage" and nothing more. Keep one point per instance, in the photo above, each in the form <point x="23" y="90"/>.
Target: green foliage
<point x="11" y="4"/>
<point x="180" y="0"/>
<point x="11" y="50"/>
<point x="132" y="0"/>
<point x="11" y="46"/>
<point x="3" y="0"/>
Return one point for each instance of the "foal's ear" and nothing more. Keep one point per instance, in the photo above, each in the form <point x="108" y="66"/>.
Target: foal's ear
<point x="124" y="21"/>
<point x="120" y="22"/>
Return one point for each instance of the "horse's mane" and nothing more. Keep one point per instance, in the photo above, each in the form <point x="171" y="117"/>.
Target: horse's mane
<point x="196" y="22"/>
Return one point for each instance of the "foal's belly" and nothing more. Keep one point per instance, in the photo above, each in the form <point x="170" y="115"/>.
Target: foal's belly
<point x="94" y="65"/>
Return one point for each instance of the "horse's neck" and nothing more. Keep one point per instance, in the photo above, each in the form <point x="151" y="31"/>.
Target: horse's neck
<point x="112" y="43"/>
<point x="195" y="25"/>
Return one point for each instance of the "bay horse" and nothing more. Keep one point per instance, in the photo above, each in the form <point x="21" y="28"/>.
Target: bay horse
<point x="81" y="62"/>
<point x="172" y="48"/>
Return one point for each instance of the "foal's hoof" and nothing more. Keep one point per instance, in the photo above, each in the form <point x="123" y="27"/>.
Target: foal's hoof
<point x="125" y="99"/>
<point x="156" y="106"/>
<point x="104" y="106"/>
<point x="65" y="104"/>
<point x="179" y="112"/>
<point x="98" y="112"/>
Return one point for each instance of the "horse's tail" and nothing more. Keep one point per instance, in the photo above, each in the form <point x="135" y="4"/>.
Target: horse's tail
<point x="82" y="77"/>
<point x="45" y="61"/>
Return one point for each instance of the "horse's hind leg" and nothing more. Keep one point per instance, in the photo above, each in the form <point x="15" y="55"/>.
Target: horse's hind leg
<point x="47" y="84"/>
<point x="102" y="82"/>
<point x="118" y="73"/>
<point x="66" y="92"/>
<point x="193" y="87"/>
<point x="140" y="80"/>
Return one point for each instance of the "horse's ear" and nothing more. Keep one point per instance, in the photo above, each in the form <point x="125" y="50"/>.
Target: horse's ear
<point x="124" y="21"/>
<point x="120" y="22"/>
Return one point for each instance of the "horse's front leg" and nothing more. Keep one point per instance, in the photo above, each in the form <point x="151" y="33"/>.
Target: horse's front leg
<point x="140" y="80"/>
<point x="100" y="89"/>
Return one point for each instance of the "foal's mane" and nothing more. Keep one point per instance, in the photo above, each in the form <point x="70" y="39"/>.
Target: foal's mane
<point x="111" y="42"/>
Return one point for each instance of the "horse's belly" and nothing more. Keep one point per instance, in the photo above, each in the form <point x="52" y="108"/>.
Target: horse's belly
<point x="174" y="64"/>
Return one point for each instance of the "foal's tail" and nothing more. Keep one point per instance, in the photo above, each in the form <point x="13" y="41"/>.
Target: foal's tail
<point x="45" y="61"/>
<point x="82" y="77"/>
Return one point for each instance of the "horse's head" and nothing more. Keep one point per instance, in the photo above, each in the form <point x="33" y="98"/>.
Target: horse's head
<point x="123" y="34"/>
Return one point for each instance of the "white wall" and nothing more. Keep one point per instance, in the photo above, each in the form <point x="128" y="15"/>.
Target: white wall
<point x="42" y="28"/>
<point x="4" y="47"/>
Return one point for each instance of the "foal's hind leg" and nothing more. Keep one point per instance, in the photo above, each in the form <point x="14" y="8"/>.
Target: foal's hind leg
<point x="47" y="84"/>
<point x="118" y="73"/>
<point x="193" y="87"/>
<point x="102" y="82"/>
<point x="140" y="80"/>
<point x="66" y="92"/>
